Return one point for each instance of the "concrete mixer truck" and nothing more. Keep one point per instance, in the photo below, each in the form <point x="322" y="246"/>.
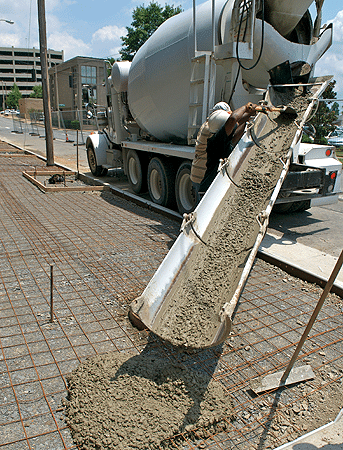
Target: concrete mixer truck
<point x="224" y="50"/>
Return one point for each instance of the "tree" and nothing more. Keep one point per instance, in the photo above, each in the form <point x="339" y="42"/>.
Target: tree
<point x="335" y="108"/>
<point x="13" y="97"/>
<point x="109" y="63"/>
<point x="146" y="19"/>
<point x="37" y="92"/>
<point x="325" y="116"/>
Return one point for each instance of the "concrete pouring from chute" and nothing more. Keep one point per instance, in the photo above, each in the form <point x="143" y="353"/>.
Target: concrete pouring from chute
<point x="205" y="321"/>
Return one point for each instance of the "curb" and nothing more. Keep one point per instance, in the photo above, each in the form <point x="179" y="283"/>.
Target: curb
<point x="299" y="272"/>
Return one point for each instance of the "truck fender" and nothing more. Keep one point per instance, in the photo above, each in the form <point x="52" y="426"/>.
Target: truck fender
<point x="100" y="144"/>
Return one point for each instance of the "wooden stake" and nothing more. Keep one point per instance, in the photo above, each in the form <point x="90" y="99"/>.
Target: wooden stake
<point x="51" y="293"/>
<point x="77" y="153"/>
<point x="315" y="313"/>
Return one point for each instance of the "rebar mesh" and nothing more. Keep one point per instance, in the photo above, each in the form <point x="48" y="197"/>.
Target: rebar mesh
<point x="104" y="250"/>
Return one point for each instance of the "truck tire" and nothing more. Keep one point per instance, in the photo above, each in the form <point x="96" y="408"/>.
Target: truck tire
<point x="303" y="206"/>
<point x="136" y="171"/>
<point x="292" y="207"/>
<point x="184" y="191"/>
<point x="96" y="170"/>
<point x="161" y="182"/>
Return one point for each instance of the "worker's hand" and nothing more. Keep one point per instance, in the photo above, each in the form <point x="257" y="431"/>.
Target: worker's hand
<point x="251" y="108"/>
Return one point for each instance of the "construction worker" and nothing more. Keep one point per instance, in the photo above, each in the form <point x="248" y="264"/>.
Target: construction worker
<point x="216" y="139"/>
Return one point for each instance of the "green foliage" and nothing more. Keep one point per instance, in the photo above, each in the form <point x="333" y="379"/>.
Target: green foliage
<point x="335" y="107"/>
<point x="75" y="125"/>
<point x="37" y="92"/>
<point x="321" y="140"/>
<point x="326" y="115"/>
<point x="306" y="139"/>
<point x="109" y="63"/>
<point x="146" y="19"/>
<point x="13" y="97"/>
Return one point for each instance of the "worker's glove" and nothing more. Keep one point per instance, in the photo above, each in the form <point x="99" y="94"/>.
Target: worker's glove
<point x="251" y="108"/>
<point x="264" y="109"/>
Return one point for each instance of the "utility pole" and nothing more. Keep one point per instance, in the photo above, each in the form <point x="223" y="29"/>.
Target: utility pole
<point x="45" y="84"/>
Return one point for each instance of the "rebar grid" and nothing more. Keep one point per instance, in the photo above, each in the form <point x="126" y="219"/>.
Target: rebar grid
<point x="104" y="251"/>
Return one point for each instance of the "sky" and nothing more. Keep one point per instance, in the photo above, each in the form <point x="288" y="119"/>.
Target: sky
<point x="94" y="27"/>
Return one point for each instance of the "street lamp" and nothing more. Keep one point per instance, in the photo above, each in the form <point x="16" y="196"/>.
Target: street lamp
<point x="3" y="98"/>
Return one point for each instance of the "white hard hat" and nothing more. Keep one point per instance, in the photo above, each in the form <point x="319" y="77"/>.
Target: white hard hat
<point x="217" y="119"/>
<point x="221" y="105"/>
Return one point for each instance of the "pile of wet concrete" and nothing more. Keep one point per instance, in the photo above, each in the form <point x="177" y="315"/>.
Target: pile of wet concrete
<point x="120" y="401"/>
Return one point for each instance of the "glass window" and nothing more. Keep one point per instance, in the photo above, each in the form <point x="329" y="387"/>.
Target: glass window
<point x="88" y="75"/>
<point x="23" y="54"/>
<point x="89" y="95"/>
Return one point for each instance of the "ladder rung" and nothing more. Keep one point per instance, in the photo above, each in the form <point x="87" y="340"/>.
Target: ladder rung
<point x="199" y="57"/>
<point x="198" y="81"/>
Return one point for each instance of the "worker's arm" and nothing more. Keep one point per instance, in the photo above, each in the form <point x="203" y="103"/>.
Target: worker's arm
<point x="239" y="117"/>
<point x="238" y="133"/>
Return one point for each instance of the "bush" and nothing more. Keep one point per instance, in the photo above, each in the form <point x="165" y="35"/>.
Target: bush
<point x="75" y="125"/>
<point x="72" y="124"/>
<point x="306" y="139"/>
<point x="321" y="141"/>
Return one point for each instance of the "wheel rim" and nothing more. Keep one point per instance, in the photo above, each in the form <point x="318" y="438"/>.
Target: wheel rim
<point x="155" y="184"/>
<point x="133" y="171"/>
<point x="91" y="159"/>
<point x="186" y="192"/>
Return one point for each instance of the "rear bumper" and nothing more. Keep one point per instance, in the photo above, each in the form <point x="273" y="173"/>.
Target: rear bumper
<point x="308" y="183"/>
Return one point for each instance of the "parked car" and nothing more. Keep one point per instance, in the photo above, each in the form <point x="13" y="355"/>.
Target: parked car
<point x="336" y="137"/>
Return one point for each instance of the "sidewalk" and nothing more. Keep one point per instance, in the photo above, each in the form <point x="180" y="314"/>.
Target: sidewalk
<point x="300" y="260"/>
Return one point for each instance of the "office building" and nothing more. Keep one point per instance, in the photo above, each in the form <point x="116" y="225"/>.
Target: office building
<point x="76" y="82"/>
<point x="22" y="66"/>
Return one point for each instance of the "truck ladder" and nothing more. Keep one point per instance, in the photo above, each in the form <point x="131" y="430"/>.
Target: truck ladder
<point x="201" y="92"/>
